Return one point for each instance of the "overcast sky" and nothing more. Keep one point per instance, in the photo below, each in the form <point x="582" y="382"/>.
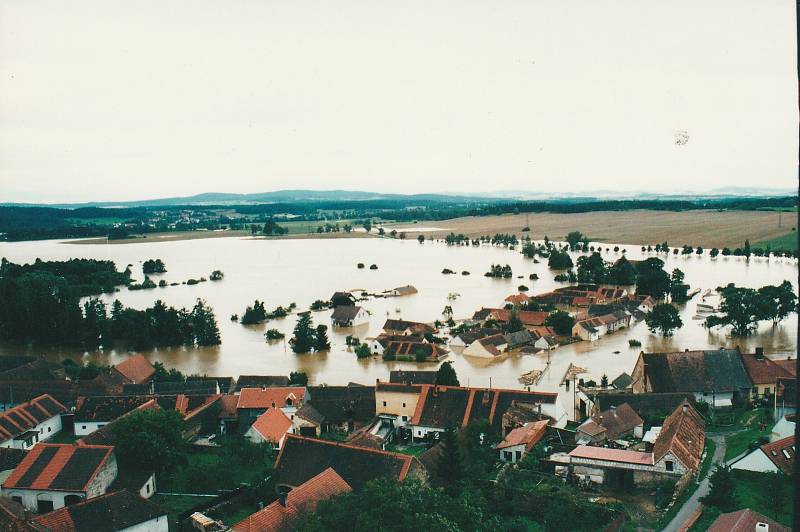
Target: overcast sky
<point x="110" y="99"/>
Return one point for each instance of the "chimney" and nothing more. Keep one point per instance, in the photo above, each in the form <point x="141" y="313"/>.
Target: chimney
<point x="613" y="409"/>
<point x="435" y="391"/>
<point x="760" y="353"/>
<point x="762" y="527"/>
<point x="485" y="396"/>
<point x="282" y="499"/>
<point x="260" y="505"/>
<point x="685" y="408"/>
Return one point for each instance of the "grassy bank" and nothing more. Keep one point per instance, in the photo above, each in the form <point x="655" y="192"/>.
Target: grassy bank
<point x="787" y="242"/>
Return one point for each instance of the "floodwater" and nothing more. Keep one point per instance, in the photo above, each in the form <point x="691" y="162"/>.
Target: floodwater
<point x="283" y="271"/>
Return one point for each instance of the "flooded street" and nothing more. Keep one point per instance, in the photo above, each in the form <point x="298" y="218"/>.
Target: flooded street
<point x="280" y="272"/>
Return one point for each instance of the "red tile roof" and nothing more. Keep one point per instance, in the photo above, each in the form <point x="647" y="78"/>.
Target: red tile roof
<point x="789" y="364"/>
<point x="59" y="467"/>
<point x="683" y="435"/>
<point x="518" y="299"/>
<point x="744" y="521"/>
<point x="763" y="370"/>
<point x="528" y="435"/>
<point x="781" y="453"/>
<point x="26" y="416"/>
<point x="303" y="499"/>
<point x="612" y="455"/>
<point x="274" y="396"/>
<point x="272" y="425"/>
<point x="228" y="404"/>
<point x="136" y="369"/>
<point x="527" y="317"/>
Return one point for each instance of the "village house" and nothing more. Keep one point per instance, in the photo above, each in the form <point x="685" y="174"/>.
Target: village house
<point x="764" y="373"/>
<point x="398" y="376"/>
<point x="122" y="511"/>
<point x="301" y="459"/>
<point x="271" y="428"/>
<point x="342" y="299"/>
<point x="442" y="407"/>
<point x="397" y="399"/>
<point x="783" y="428"/>
<point x="489" y="347"/>
<point x="717" y="377"/>
<point x="529" y="318"/>
<point x="307" y="421"/>
<point x="52" y="476"/>
<point x="260" y="381"/>
<point x="594" y="400"/>
<point x="414" y="351"/>
<point x="349" y="316"/>
<point x="613" y="424"/>
<point x="404" y="327"/>
<point x="467" y="337"/>
<point x="544" y="338"/>
<point x="774" y="457"/>
<point x="378" y="345"/>
<point x="106" y="435"/>
<point x="342" y="408"/>
<point x="518" y="339"/>
<point x="255" y="401"/>
<point x="746" y="521"/>
<point x="136" y="369"/>
<point x="25" y="425"/>
<point x="521" y="440"/>
<point x="677" y="451"/>
<point x="93" y="413"/>
<point x="516" y="300"/>
<point x="591" y="329"/>
<point x="288" y="512"/>
<point x="400" y="291"/>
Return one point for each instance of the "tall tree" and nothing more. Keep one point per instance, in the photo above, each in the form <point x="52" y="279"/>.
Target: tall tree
<point x="663" y="319"/>
<point x="449" y="468"/>
<point x="561" y="322"/>
<point x="149" y="439"/>
<point x="652" y="280"/>
<point x="741" y="308"/>
<point x="722" y="493"/>
<point x="303" y="339"/>
<point x="321" y="342"/>
<point x="446" y="375"/>
<point x="778" y="301"/>
<point x="204" y="324"/>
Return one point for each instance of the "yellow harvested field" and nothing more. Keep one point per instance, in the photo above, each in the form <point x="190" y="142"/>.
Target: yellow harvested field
<point x="697" y="228"/>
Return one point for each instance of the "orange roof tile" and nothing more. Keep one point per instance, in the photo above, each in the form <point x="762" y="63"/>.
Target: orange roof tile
<point x="274" y="396"/>
<point x="304" y="498"/>
<point x="272" y="425"/>
<point x="612" y="455"/>
<point x="136" y="368"/>
<point x="59" y="467"/>
<point x="528" y="435"/>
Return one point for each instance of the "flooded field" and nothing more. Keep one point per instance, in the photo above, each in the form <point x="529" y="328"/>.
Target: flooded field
<point x="280" y="272"/>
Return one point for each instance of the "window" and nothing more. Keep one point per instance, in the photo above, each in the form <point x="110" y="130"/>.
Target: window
<point x="49" y="429"/>
<point x="147" y="488"/>
<point x="404" y="405"/>
<point x="405" y="418"/>
<point x="384" y="403"/>
<point x="44" y="506"/>
<point x="669" y="465"/>
<point x="755" y="390"/>
<point x="16" y="498"/>
<point x="766" y="390"/>
<point x="83" y="427"/>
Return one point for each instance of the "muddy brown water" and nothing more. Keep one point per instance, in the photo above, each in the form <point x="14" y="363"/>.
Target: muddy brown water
<point x="283" y="271"/>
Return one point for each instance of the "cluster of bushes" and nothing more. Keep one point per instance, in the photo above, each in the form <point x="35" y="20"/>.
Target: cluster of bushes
<point x="497" y="270"/>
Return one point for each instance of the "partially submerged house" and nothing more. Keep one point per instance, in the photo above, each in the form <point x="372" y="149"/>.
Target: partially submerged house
<point x="488" y="347"/>
<point x="467" y="337"/>
<point x="774" y="457"/>
<point x="717" y="377"/>
<point x="521" y="440"/>
<point x="349" y="316"/>
<point x="26" y="424"/>
<point x="404" y="327"/>
<point x="414" y="351"/>
<point x="52" y="476"/>
<point x="260" y="381"/>
<point x="288" y="512"/>
<point x="594" y="328"/>
<point x="378" y="345"/>
<point x="412" y="376"/>
<point x="303" y="458"/>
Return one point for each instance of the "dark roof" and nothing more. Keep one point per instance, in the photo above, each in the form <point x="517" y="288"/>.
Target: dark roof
<point x="59" y="467"/>
<point x="618" y="420"/>
<point x="410" y="349"/>
<point x="412" y="377"/>
<point x="623" y="381"/>
<point x="194" y="387"/>
<point x="309" y="413"/>
<point x="259" y="381"/>
<point x="37" y="369"/>
<point x="105" y="434"/>
<point x="26" y="416"/>
<point x="339" y="404"/>
<point x="402" y="325"/>
<point x="13" y="517"/>
<point x="107" y="408"/>
<point x="398" y="387"/>
<point x="302" y="458"/>
<point x="455" y="406"/>
<point x="720" y="370"/>
<point x="138" y="389"/>
<point x="479" y="332"/>
<point x="518" y="338"/>
<point x="8" y="362"/>
<point x="345" y="313"/>
<point x="645" y="404"/>
<point x="10" y="458"/>
<point x="106" y="513"/>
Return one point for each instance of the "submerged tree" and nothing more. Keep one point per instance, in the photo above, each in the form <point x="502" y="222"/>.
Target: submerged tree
<point x="321" y="342"/>
<point x="663" y="319"/>
<point x="303" y="339"/>
<point x="446" y="375"/>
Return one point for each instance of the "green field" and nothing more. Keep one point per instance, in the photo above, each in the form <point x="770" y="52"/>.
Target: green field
<point x="786" y="242"/>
